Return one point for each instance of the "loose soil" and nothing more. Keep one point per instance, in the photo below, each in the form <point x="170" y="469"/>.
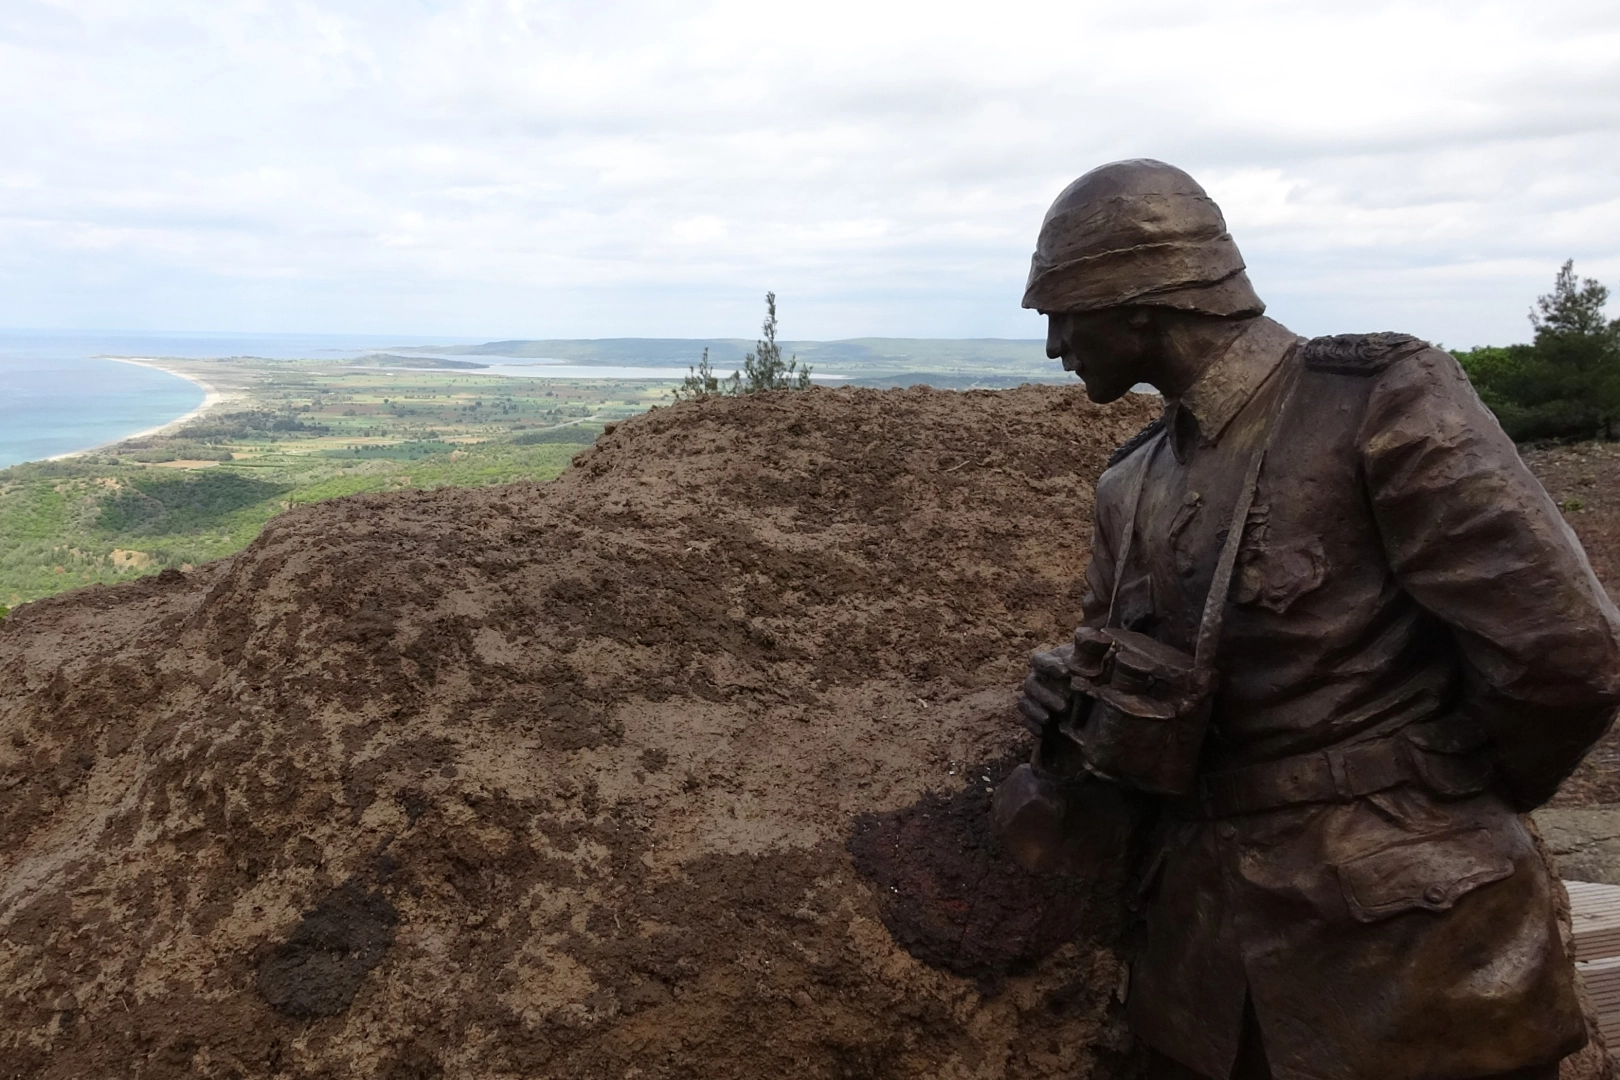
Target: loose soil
<point x="676" y="767"/>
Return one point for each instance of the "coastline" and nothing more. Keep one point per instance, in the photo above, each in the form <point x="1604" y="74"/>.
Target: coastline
<point x="212" y="396"/>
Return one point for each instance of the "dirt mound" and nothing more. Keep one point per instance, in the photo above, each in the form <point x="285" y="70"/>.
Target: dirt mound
<point x="632" y="774"/>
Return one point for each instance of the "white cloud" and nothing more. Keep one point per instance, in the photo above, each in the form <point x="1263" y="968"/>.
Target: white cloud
<point x="526" y="168"/>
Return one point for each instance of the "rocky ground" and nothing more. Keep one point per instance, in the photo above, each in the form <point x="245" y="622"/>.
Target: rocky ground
<point x="1585" y="481"/>
<point x="676" y="767"/>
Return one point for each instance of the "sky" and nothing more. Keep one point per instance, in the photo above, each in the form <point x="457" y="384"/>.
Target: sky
<point x="505" y="168"/>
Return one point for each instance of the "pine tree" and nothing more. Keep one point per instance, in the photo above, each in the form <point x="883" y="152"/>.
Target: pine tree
<point x="763" y="368"/>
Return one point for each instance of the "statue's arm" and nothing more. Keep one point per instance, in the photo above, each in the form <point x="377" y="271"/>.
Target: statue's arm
<point x="1475" y="539"/>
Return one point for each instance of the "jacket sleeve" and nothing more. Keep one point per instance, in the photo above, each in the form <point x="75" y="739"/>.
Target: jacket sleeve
<point x="1476" y="540"/>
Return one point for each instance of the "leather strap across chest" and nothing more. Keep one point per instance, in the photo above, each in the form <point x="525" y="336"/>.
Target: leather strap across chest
<point x="1220" y="587"/>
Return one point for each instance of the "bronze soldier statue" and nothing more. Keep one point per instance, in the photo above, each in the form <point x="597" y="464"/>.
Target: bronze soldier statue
<point x="1343" y="639"/>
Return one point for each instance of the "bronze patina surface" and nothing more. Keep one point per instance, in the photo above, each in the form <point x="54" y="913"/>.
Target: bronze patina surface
<point x="1414" y="651"/>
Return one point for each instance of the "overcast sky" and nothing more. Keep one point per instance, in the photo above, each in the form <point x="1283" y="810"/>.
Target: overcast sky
<point x="560" y="169"/>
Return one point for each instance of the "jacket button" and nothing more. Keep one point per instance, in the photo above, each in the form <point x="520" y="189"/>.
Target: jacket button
<point x="1434" y="894"/>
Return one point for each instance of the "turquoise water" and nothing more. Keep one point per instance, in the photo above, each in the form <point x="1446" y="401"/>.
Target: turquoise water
<point x="58" y="406"/>
<point x="57" y="397"/>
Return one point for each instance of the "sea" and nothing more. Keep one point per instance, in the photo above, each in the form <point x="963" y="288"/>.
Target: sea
<point x="59" y="394"/>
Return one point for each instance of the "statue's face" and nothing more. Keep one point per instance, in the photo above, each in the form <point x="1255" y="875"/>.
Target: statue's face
<point x="1112" y="350"/>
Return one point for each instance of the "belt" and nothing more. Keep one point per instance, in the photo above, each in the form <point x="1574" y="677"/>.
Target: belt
<point x="1341" y="774"/>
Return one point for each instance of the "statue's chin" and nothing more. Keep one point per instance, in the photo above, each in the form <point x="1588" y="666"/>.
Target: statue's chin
<point x="1103" y="395"/>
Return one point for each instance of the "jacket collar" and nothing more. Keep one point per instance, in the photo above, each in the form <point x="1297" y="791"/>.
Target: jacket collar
<point x="1203" y="413"/>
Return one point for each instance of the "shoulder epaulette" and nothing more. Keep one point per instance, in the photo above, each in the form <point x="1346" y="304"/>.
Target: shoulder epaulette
<point x="1128" y="447"/>
<point x="1359" y="354"/>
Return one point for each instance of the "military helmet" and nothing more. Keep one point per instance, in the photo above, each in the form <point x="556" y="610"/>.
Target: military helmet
<point x="1137" y="232"/>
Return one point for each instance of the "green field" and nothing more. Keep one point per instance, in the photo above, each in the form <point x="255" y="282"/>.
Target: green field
<point x="296" y="432"/>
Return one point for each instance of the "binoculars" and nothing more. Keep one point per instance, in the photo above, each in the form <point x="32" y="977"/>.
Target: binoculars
<point x="1141" y="709"/>
<point x="1140" y="712"/>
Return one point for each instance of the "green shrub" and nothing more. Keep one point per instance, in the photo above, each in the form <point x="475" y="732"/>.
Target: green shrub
<point x="1566" y="383"/>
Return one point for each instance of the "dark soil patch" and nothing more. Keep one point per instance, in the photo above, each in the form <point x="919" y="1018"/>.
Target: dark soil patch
<point x="951" y="898"/>
<point x="319" y="968"/>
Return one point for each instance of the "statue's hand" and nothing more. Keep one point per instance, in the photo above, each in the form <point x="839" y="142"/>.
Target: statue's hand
<point x="1046" y="691"/>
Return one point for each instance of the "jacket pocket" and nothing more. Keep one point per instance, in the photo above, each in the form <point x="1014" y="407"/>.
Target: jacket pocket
<point x="1273" y="576"/>
<point x="1425" y="873"/>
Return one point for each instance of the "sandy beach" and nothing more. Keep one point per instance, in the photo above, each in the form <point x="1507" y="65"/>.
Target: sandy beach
<point x="212" y="396"/>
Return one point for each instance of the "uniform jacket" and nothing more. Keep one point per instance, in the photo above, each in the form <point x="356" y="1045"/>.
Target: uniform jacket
<point x="1407" y="595"/>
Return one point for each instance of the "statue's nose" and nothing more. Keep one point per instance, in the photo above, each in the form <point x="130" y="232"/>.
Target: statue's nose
<point x="1054" y="340"/>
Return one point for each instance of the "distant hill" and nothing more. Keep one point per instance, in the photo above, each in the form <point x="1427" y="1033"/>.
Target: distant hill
<point x="860" y="358"/>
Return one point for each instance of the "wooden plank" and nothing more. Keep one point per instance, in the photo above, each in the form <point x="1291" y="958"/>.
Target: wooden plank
<point x="1594" y="916"/>
<point x="1596" y="945"/>
<point x="1602" y="979"/>
<point x="1595" y="919"/>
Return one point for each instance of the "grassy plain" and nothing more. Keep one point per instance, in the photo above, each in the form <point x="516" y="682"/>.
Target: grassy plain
<point x="287" y="432"/>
